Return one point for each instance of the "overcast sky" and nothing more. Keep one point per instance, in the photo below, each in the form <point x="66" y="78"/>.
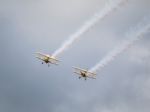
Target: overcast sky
<point x="28" y="26"/>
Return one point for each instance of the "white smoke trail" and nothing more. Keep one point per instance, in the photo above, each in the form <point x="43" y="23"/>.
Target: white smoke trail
<point x="109" y="8"/>
<point x="134" y="35"/>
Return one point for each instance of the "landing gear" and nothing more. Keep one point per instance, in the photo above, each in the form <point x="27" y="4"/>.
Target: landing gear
<point x="42" y="63"/>
<point x="79" y="77"/>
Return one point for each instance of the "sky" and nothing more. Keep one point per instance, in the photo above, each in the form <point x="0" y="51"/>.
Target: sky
<point x="29" y="26"/>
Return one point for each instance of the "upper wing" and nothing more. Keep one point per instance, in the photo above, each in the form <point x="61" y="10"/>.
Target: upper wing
<point x="91" y="73"/>
<point x="79" y="69"/>
<point x="41" y="54"/>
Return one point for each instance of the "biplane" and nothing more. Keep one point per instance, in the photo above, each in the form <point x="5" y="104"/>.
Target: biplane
<point x="84" y="73"/>
<point x="47" y="59"/>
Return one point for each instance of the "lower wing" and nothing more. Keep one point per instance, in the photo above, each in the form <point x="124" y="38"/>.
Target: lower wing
<point x="40" y="58"/>
<point x="92" y="77"/>
<point x="54" y="63"/>
<point x="77" y="73"/>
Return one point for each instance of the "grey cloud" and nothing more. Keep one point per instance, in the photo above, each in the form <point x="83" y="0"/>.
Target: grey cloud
<point x="37" y="25"/>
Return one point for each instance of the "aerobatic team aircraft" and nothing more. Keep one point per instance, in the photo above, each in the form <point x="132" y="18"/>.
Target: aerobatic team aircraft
<point x="47" y="59"/>
<point x="84" y="73"/>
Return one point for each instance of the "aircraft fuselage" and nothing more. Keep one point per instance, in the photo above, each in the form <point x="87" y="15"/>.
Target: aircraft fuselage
<point x="83" y="74"/>
<point x="47" y="60"/>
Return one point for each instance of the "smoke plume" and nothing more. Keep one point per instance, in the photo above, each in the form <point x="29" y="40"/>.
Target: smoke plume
<point x="109" y="8"/>
<point x="133" y="35"/>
